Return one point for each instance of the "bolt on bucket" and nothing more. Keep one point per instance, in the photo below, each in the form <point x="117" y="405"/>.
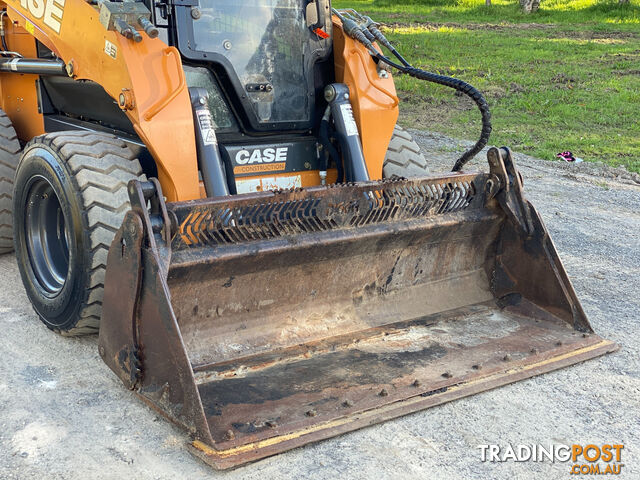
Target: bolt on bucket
<point x="263" y="322"/>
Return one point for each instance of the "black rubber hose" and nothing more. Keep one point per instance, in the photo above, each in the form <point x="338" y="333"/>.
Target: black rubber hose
<point x="462" y="87"/>
<point x="379" y="36"/>
<point x="330" y="149"/>
<point x="355" y="31"/>
<point x="474" y="95"/>
<point x="400" y="57"/>
<point x="337" y="159"/>
<point x="230" y="176"/>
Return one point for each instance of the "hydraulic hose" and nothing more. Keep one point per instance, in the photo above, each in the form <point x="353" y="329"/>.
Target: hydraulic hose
<point x="372" y="27"/>
<point x="462" y="87"/>
<point x="356" y="31"/>
<point x="370" y="30"/>
<point x="327" y="144"/>
<point x="474" y="95"/>
<point x="2" y="35"/>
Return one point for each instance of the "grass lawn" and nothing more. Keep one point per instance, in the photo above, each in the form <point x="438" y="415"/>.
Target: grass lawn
<point x="564" y="78"/>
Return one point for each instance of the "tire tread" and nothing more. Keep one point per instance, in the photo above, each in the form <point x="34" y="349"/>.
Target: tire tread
<point x="101" y="167"/>
<point x="9" y="158"/>
<point x="404" y="157"/>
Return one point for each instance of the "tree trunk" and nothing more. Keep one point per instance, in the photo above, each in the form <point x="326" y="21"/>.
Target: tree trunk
<point x="488" y="2"/>
<point x="530" y="6"/>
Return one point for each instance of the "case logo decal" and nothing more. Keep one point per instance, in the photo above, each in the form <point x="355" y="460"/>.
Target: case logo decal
<point x="268" y="155"/>
<point x="50" y="11"/>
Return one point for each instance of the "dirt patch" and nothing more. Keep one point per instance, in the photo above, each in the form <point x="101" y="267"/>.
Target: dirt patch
<point x="426" y="112"/>
<point x="450" y="71"/>
<point x="564" y="81"/>
<point x="516" y="88"/>
<point x="626" y="72"/>
<point x="435" y="26"/>
<point x="495" y="92"/>
<point x="612" y="58"/>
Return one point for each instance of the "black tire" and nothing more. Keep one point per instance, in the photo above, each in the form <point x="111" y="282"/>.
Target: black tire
<point x="403" y="158"/>
<point x="9" y="158"/>
<point x="69" y="201"/>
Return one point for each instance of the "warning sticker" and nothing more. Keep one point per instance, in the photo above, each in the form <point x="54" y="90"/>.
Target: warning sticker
<point x="251" y="185"/>
<point x="29" y="27"/>
<point x="206" y="126"/>
<point x="210" y="137"/>
<point x="110" y="49"/>
<point x="349" y="121"/>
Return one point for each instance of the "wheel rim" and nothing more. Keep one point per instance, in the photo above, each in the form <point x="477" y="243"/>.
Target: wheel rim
<point x="47" y="236"/>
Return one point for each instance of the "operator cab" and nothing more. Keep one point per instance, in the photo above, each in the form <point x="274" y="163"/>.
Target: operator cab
<point x="263" y="54"/>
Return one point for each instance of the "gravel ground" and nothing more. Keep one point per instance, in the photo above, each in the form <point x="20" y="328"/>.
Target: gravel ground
<point x="64" y="415"/>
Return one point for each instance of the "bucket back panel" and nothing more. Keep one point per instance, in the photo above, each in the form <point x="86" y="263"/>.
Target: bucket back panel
<point x="328" y="286"/>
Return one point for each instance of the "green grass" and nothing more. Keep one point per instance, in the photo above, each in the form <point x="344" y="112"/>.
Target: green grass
<point x="568" y="12"/>
<point x="564" y="78"/>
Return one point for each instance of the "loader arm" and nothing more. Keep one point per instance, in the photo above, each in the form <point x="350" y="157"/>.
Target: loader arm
<point x="146" y="79"/>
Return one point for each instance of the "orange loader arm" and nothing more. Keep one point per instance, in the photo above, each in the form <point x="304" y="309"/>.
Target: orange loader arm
<point x="146" y="79"/>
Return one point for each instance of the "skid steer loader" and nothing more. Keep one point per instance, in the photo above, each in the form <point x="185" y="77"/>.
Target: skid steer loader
<point x="221" y="188"/>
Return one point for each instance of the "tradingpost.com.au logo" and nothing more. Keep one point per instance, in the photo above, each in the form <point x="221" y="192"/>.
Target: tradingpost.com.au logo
<point x="588" y="459"/>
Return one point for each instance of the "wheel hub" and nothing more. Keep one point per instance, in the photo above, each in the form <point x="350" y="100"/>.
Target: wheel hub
<point x="47" y="237"/>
